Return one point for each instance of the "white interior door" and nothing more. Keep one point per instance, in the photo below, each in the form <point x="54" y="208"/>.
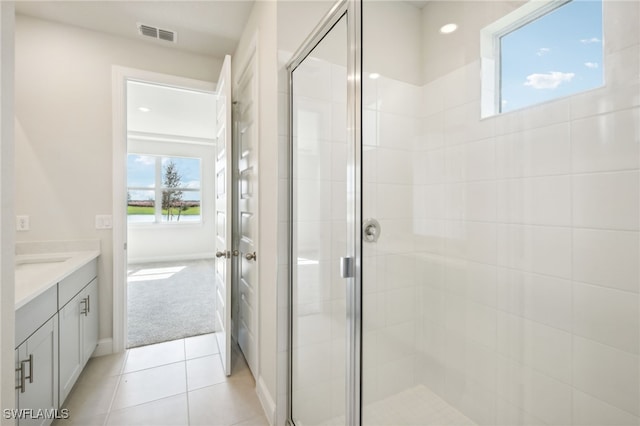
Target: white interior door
<point x="246" y="231"/>
<point x="223" y="209"/>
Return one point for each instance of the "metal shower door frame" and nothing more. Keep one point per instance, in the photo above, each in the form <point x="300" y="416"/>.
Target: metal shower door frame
<point x="353" y="11"/>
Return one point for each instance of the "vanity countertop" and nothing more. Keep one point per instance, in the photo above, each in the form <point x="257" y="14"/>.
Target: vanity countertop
<point x="39" y="267"/>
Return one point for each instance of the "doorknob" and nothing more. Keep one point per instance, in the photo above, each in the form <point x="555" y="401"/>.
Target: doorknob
<point x="250" y="256"/>
<point x="223" y="254"/>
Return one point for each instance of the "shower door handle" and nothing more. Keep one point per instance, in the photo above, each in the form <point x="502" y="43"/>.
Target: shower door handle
<point x="346" y="267"/>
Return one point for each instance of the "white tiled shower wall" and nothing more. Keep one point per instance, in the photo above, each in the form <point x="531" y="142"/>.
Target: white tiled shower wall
<point x="506" y="278"/>
<point x="391" y="132"/>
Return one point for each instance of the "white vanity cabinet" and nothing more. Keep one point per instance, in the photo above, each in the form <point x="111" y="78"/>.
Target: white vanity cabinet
<point x="78" y="317"/>
<point x="37" y="374"/>
<point x="56" y="334"/>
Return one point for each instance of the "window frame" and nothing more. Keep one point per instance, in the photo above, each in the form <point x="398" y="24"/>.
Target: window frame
<point x="490" y="50"/>
<point x="159" y="188"/>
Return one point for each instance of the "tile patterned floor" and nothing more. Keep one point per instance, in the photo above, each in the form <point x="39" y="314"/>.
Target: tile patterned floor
<point x="180" y="382"/>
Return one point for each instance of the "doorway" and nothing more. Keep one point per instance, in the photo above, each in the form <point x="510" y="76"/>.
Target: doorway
<point x="170" y="205"/>
<point x="144" y="146"/>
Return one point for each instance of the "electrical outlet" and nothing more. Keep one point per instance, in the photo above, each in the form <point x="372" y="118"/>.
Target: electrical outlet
<point x="22" y="223"/>
<point x="104" y="221"/>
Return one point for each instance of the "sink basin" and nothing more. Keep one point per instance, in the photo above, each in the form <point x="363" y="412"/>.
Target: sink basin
<point x="40" y="262"/>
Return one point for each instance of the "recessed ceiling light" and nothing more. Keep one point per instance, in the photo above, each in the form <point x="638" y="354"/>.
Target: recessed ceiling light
<point x="144" y="109"/>
<point x="448" y="28"/>
<point x="374" y="75"/>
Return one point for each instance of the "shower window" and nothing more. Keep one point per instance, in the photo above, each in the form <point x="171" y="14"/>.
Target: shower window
<point x="540" y="52"/>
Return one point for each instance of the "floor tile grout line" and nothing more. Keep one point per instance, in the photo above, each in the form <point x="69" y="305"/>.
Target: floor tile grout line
<point x="147" y="402"/>
<point x="123" y="373"/>
<point x="151" y="368"/>
<point x="186" y="378"/>
<point x="115" y="390"/>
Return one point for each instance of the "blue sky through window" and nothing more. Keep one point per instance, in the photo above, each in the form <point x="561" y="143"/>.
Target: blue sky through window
<point x="141" y="170"/>
<point x="556" y="55"/>
<point x="141" y="173"/>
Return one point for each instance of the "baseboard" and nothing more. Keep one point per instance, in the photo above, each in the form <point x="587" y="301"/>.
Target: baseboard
<point x="266" y="400"/>
<point x="153" y="259"/>
<point x="105" y="347"/>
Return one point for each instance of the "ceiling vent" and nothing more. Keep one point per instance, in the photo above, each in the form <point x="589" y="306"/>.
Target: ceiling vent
<point x="157" y="33"/>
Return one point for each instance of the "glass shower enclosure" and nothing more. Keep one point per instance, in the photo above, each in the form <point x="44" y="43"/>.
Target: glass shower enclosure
<point x="325" y="204"/>
<point x="465" y="215"/>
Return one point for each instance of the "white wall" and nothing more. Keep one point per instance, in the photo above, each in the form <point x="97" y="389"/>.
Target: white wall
<point x="262" y="23"/>
<point x="392" y="26"/>
<point x="7" y="215"/>
<point x="64" y="129"/>
<point x="460" y="47"/>
<point x="161" y="242"/>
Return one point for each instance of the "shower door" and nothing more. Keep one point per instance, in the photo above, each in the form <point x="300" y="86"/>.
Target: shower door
<point x="323" y="213"/>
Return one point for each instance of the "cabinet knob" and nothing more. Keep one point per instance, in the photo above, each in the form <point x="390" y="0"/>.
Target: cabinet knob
<point x="250" y="256"/>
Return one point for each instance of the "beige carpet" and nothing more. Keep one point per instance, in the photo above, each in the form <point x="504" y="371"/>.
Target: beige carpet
<point x="168" y="301"/>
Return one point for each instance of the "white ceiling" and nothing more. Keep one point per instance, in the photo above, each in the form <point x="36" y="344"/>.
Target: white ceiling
<point x="209" y="27"/>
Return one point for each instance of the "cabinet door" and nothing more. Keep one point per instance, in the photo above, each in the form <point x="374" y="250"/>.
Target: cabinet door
<point x="90" y="321"/>
<point x="41" y="392"/>
<point x="70" y="345"/>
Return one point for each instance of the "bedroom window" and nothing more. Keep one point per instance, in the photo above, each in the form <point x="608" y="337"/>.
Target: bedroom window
<point x="163" y="189"/>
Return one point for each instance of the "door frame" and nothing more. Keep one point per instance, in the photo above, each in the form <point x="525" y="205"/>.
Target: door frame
<point x="120" y="76"/>
<point x="353" y="11"/>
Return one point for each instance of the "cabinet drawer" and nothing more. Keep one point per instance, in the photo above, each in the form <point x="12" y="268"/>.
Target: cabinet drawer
<point x="35" y="313"/>
<point x="75" y="282"/>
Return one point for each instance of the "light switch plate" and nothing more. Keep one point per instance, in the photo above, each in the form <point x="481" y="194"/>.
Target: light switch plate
<point x="22" y="223"/>
<point x="104" y="221"/>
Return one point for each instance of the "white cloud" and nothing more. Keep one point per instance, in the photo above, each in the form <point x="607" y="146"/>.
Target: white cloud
<point x="590" y="40"/>
<point x="550" y="80"/>
<point x="143" y="159"/>
<point x="543" y="51"/>
<point x="591" y="65"/>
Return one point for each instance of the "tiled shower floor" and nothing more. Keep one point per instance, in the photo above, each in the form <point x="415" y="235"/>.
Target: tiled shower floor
<point x="411" y="407"/>
<point x="414" y="406"/>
